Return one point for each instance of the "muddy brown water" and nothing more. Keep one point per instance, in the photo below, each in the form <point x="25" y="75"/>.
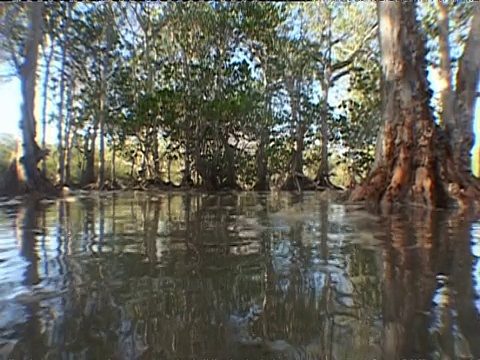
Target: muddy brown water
<point x="235" y="276"/>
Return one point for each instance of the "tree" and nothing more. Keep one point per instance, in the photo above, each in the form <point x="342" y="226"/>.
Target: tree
<point x="417" y="158"/>
<point x="30" y="21"/>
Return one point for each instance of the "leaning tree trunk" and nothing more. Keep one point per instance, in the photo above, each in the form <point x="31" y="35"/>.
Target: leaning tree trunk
<point x="410" y="167"/>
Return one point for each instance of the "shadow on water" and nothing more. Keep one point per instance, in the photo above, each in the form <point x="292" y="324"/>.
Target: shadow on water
<point x="272" y="276"/>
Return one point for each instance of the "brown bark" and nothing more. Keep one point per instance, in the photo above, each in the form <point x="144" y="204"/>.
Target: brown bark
<point x="416" y="155"/>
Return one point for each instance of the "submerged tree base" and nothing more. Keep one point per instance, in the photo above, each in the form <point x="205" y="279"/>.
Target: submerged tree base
<point x="300" y="182"/>
<point x="416" y="163"/>
<point x="14" y="182"/>
<point x="440" y="185"/>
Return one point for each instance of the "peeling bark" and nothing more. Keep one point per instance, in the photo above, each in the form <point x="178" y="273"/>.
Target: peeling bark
<point x="416" y="156"/>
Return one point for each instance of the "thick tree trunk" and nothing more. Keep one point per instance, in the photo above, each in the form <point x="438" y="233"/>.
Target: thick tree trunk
<point x="460" y="127"/>
<point x="413" y="146"/>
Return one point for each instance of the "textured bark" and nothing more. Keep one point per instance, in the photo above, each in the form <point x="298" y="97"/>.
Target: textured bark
<point x="412" y="145"/>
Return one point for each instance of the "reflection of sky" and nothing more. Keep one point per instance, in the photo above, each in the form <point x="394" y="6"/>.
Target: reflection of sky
<point x="476" y="266"/>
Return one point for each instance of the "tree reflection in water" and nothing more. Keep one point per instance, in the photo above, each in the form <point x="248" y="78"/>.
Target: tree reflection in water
<point x="234" y="276"/>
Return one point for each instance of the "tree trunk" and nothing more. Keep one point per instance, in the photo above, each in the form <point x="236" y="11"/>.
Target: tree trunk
<point x="262" y="161"/>
<point x="231" y="178"/>
<point x="156" y="154"/>
<point x="295" y="180"/>
<point x="48" y="60"/>
<point x="70" y="140"/>
<point x="460" y="127"/>
<point x="446" y="96"/>
<point x="113" y="169"/>
<point x="187" y="174"/>
<point x="104" y="94"/>
<point x="64" y="152"/>
<point x="262" y="183"/>
<point x="89" y="154"/>
<point x="32" y="154"/>
<point x="60" y="148"/>
<point x="409" y="168"/>
<point x="322" y="174"/>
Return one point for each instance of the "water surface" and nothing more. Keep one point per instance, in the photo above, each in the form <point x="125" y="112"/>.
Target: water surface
<point x="235" y="276"/>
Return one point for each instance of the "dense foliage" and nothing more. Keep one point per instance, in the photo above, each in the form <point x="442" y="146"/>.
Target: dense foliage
<point x="218" y="94"/>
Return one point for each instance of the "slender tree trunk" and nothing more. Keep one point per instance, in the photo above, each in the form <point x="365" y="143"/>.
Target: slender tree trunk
<point x="48" y="60"/>
<point x="262" y="161"/>
<point x="101" y="170"/>
<point x="70" y="140"/>
<point x="60" y="148"/>
<point x="156" y="154"/>
<point x="231" y="180"/>
<point x="169" y="170"/>
<point x="262" y="183"/>
<point x="104" y="93"/>
<point x="295" y="180"/>
<point x="32" y="154"/>
<point x="89" y="154"/>
<point x="113" y="170"/>
<point x="322" y="177"/>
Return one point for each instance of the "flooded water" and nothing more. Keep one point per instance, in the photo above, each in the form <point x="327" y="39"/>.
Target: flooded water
<point x="247" y="276"/>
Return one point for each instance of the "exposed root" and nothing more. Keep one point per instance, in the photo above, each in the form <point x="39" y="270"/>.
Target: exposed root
<point x="300" y="182"/>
